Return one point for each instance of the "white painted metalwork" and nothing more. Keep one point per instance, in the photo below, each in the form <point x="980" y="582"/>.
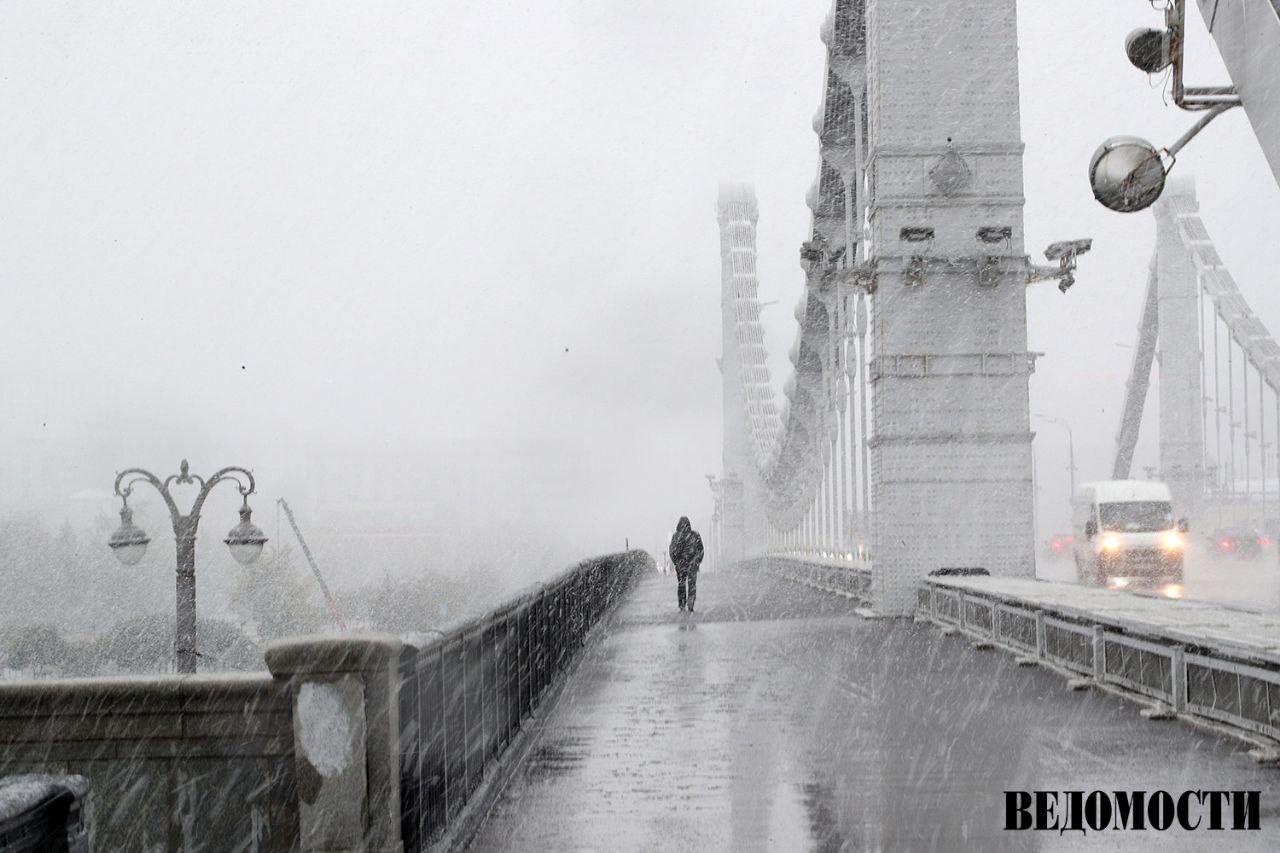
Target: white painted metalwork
<point x="1219" y="406"/>
<point x="1180" y="666"/>
<point x="1248" y="36"/>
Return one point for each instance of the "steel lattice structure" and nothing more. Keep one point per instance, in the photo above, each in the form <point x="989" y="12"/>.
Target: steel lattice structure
<point x="799" y="450"/>
<point x="1219" y="377"/>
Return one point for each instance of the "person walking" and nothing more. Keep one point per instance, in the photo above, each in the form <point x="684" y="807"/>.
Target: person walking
<point x="686" y="556"/>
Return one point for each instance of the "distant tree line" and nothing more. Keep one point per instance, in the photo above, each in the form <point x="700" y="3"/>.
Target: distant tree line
<point x="69" y="609"/>
<point x="140" y="644"/>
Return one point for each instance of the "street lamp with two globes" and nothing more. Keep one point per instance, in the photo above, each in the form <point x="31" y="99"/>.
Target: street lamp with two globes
<point x="129" y="542"/>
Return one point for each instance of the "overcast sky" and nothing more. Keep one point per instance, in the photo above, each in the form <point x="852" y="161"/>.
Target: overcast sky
<point x="259" y="233"/>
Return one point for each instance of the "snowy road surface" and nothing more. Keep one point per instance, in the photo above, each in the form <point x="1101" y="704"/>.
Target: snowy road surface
<point x="1253" y="583"/>
<point x="778" y="719"/>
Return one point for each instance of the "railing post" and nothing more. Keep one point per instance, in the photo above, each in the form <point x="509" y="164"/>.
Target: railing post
<point x="526" y="660"/>
<point x="411" y="749"/>
<point x="537" y="648"/>
<point x="463" y="737"/>
<point x="346" y="734"/>
<point x="1178" y="680"/>
<point x="562" y="625"/>
<point x="544" y="643"/>
<point x="435" y="745"/>
<point x="1040" y="643"/>
<point x="489" y="690"/>
<point x="513" y="674"/>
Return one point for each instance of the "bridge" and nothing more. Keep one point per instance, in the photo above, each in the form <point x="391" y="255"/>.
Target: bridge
<point x="873" y="663"/>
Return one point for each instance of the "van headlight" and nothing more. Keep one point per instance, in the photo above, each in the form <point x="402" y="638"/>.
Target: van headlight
<point x="1110" y="542"/>
<point x="1173" y="540"/>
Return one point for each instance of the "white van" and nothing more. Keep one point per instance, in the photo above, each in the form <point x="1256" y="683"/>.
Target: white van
<point x="1125" y="531"/>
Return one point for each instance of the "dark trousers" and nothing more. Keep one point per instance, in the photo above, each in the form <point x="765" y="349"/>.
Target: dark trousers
<point x="686" y="586"/>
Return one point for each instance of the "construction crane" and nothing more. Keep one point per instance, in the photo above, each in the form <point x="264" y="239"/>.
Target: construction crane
<point x="328" y="596"/>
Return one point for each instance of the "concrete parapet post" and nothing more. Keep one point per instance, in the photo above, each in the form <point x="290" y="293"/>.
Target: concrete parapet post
<point x="45" y="812"/>
<point x="174" y="760"/>
<point x="346" y="731"/>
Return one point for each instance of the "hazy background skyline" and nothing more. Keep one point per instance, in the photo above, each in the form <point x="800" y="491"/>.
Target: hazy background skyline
<point x="470" y="250"/>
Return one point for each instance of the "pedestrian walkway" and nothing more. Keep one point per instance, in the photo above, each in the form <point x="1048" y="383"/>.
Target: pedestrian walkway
<point x="776" y="718"/>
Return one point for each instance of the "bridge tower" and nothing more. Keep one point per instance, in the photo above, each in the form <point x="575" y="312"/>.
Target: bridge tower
<point x="951" y="444"/>
<point x="1182" y="406"/>
<point x="1219" y="379"/>
<point x="749" y="410"/>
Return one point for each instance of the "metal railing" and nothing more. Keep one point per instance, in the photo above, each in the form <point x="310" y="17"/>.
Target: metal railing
<point x="463" y="695"/>
<point x="1187" y="679"/>
<point x="858" y="556"/>
<point x="852" y="580"/>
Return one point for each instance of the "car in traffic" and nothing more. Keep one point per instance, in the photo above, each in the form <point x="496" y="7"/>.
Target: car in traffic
<point x="1059" y="545"/>
<point x="1245" y="543"/>
<point x="1125" y="534"/>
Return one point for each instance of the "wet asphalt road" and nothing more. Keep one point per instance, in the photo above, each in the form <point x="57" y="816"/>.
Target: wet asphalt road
<point x="776" y="719"/>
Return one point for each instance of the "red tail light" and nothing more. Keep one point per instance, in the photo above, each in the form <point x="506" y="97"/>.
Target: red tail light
<point x="1226" y="544"/>
<point x="1264" y="540"/>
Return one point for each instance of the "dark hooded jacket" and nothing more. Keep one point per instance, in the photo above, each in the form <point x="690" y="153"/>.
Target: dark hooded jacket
<point x="686" y="547"/>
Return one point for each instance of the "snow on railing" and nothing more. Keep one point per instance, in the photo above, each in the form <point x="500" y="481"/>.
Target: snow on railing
<point x="1145" y="648"/>
<point x="464" y="694"/>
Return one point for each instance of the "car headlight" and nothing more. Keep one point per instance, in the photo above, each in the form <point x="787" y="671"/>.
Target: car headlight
<point x="1172" y="540"/>
<point x="1110" y="542"/>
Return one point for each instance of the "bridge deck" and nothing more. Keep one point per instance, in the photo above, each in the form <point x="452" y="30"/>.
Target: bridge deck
<point x="777" y="718"/>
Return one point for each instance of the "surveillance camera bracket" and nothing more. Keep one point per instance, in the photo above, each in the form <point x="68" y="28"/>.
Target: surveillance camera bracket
<point x="850" y="280"/>
<point x="1064" y="272"/>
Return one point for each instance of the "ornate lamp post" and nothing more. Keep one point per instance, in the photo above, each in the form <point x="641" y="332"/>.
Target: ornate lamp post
<point x="129" y="542"/>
